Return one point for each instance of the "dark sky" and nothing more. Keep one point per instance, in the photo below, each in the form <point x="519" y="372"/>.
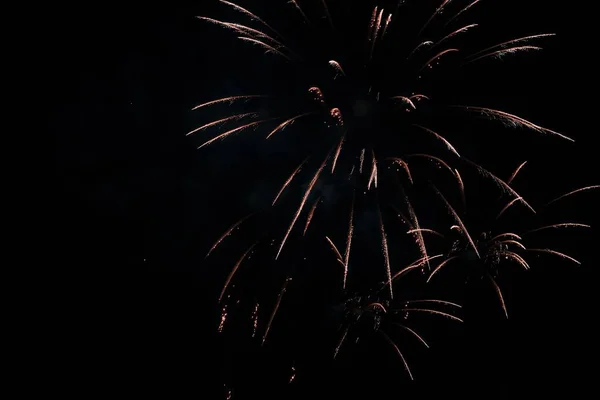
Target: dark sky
<point x="137" y="208"/>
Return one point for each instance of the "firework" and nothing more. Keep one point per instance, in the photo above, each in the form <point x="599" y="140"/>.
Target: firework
<point x="367" y="314"/>
<point x="494" y="250"/>
<point x="361" y="109"/>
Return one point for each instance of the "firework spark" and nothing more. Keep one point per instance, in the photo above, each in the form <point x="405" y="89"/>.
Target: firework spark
<point x="227" y="233"/>
<point x="233" y="271"/>
<point x="277" y="304"/>
<point x="499" y="293"/>
<point x="516" y="257"/>
<point x="511" y="120"/>
<point x="417" y="264"/>
<point x="418" y="47"/>
<point x="373" y="177"/>
<point x="387" y="24"/>
<point x="504" y="52"/>
<point x="463" y="229"/>
<point x="514" y="174"/>
<point x="230" y="100"/>
<point x="510" y="43"/>
<point x="393" y="344"/>
<point x="418" y="233"/>
<point x="295" y="4"/>
<point x="249" y="14"/>
<point x="337" y="153"/>
<point x="556" y="253"/>
<point x="461" y="186"/>
<point x="267" y="47"/>
<point x="310" y="214"/>
<point x="503" y="185"/>
<point x="386" y="255"/>
<point x="235" y="130"/>
<point x="573" y="192"/>
<point x="348" y="241"/>
<point x="287" y="182"/>
<point x="337" y="68"/>
<point x="446" y="261"/>
<point x="285" y="123"/>
<point x="561" y="225"/>
<point x="221" y="121"/>
<point x="461" y="12"/>
<point x="439" y="137"/>
<point x="436" y="13"/>
<point x="404" y="165"/>
<point x="244" y="30"/>
<point x="506" y="234"/>
<point x="334" y="248"/>
<point x="506" y="207"/>
<point x="425" y="230"/>
<point x="434" y="312"/>
<point x="415" y="334"/>
<point x="255" y="319"/>
<point x="436" y="58"/>
<point x="302" y="203"/>
<point x="327" y="13"/>
<point x="453" y="34"/>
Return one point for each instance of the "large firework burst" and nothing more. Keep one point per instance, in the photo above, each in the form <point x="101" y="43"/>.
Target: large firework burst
<point x="360" y="104"/>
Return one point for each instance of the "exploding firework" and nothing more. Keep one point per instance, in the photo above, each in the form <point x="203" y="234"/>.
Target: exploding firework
<point x="359" y="102"/>
<point x="483" y="256"/>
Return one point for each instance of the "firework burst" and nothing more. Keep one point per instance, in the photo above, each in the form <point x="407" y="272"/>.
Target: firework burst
<point x="357" y="96"/>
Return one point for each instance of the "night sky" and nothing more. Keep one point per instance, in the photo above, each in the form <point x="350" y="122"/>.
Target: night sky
<point x="136" y="207"/>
